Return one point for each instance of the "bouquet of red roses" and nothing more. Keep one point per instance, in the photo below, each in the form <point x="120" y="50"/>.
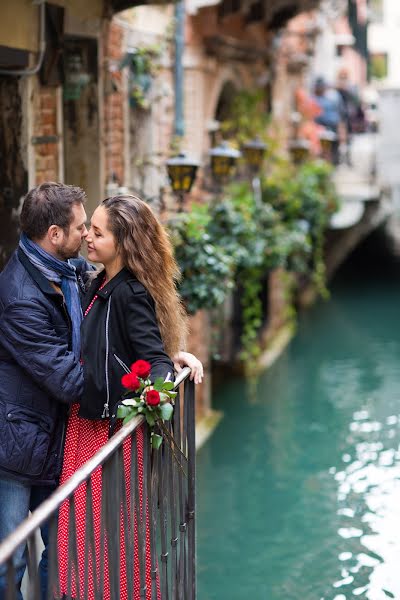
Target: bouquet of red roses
<point x="152" y="400"/>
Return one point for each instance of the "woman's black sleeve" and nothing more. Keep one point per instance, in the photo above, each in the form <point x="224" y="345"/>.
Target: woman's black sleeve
<point x="143" y="332"/>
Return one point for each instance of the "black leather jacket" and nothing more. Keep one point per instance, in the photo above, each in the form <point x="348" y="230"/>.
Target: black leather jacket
<point x="120" y="327"/>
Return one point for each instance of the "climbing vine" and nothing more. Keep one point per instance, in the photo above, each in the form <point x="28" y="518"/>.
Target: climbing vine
<point x="143" y="64"/>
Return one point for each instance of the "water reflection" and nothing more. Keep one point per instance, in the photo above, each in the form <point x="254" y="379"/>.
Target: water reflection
<point x="369" y="497"/>
<point x="299" y="489"/>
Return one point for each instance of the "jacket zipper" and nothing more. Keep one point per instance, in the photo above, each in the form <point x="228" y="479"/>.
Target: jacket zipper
<point x="106" y="410"/>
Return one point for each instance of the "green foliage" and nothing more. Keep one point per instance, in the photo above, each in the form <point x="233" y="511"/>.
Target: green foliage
<point x="205" y="265"/>
<point x="304" y="198"/>
<point x="143" y="66"/>
<point x="235" y="242"/>
<point x="248" y="117"/>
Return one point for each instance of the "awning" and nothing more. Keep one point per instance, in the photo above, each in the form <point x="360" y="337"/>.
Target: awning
<point x="119" y="5"/>
<point x="276" y="12"/>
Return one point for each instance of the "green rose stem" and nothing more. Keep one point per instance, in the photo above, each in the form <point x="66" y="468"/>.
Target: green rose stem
<point x="172" y="443"/>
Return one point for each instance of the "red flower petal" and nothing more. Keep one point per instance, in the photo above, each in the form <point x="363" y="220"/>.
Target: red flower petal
<point x="141" y="368"/>
<point x="130" y="381"/>
<point x="152" y="397"/>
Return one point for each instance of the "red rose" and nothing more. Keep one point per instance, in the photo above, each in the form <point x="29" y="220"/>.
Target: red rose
<point x="130" y="381"/>
<point x="141" y="368"/>
<point x="153" y="398"/>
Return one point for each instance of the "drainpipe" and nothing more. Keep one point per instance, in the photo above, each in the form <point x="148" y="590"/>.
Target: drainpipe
<point x="179" y="50"/>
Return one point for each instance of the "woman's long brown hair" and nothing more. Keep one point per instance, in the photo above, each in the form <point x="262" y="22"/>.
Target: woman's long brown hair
<point x="147" y="252"/>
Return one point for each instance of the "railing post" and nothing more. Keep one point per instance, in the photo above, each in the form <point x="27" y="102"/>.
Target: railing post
<point x="191" y="498"/>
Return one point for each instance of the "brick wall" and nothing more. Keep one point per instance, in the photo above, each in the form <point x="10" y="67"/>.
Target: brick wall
<point x="45" y="124"/>
<point x="115" y="95"/>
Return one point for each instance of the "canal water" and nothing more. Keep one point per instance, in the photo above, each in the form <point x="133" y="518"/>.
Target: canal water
<point x="299" y="486"/>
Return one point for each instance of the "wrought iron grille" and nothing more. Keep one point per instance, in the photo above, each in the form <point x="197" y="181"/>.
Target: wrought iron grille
<point x="155" y="523"/>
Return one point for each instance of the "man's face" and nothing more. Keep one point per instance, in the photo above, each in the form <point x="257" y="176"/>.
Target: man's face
<point x="70" y="244"/>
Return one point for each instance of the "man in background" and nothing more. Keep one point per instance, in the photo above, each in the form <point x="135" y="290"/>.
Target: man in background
<point x="332" y="113"/>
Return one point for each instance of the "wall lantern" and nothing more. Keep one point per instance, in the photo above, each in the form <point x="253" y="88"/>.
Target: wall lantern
<point x="223" y="161"/>
<point x="76" y="77"/>
<point x="254" y="153"/>
<point x="182" y="173"/>
<point x="299" y="150"/>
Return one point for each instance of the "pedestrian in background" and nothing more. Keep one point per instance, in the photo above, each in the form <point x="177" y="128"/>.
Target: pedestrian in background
<point x="353" y="114"/>
<point x="332" y="113"/>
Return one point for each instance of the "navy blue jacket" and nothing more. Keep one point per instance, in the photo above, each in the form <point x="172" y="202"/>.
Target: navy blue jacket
<point x="39" y="374"/>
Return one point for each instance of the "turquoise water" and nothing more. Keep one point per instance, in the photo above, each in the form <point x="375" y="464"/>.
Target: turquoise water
<point x="299" y="487"/>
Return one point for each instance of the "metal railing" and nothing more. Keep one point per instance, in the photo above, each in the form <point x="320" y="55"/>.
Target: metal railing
<point x="142" y="542"/>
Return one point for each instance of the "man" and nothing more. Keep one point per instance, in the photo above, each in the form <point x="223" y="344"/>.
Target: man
<point x="332" y="113"/>
<point x="40" y="372"/>
<point x="354" y="118"/>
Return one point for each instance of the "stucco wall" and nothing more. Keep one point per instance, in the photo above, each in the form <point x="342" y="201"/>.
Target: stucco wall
<point x="19" y="20"/>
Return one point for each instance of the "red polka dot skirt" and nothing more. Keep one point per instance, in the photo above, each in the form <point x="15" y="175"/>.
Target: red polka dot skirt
<point x="83" y="439"/>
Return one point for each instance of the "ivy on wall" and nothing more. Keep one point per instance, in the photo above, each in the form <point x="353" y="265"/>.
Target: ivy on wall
<point x="233" y="240"/>
<point x="143" y="65"/>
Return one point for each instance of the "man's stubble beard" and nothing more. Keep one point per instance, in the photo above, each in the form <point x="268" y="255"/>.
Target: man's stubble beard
<point x="65" y="254"/>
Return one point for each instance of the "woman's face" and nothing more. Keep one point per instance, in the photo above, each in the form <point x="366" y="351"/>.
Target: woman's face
<point x="100" y="241"/>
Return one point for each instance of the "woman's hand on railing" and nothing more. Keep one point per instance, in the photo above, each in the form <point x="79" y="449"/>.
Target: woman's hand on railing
<point x="186" y="359"/>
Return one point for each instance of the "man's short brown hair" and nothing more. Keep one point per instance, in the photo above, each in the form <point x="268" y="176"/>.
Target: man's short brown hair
<point x="49" y="204"/>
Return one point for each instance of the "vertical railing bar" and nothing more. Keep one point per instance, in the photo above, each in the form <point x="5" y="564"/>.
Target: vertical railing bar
<point x="111" y="470"/>
<point x="191" y="499"/>
<point x="133" y="488"/>
<point x="115" y="510"/>
<point x="182" y="523"/>
<point x="127" y="538"/>
<point x="86" y="565"/>
<point x="102" y="575"/>
<point x="172" y="507"/>
<point x="11" y="591"/>
<point x="139" y="527"/>
<point x="90" y="544"/>
<point x="33" y="583"/>
<point x="73" y="551"/>
<point x="144" y="507"/>
<point x="53" y="589"/>
<point x="185" y="421"/>
<point x="162" y="495"/>
<point x="152" y="478"/>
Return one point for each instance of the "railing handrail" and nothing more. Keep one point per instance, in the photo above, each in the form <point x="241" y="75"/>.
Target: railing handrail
<point x="49" y="506"/>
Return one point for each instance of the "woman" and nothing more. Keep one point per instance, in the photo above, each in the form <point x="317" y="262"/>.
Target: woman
<point x="131" y="311"/>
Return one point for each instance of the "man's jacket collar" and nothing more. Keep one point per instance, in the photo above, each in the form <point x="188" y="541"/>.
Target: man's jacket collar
<point x="41" y="281"/>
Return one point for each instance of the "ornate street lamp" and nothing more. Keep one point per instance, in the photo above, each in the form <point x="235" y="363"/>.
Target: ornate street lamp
<point x="182" y="173"/>
<point x="254" y="153"/>
<point x="223" y="161"/>
<point x="299" y="150"/>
